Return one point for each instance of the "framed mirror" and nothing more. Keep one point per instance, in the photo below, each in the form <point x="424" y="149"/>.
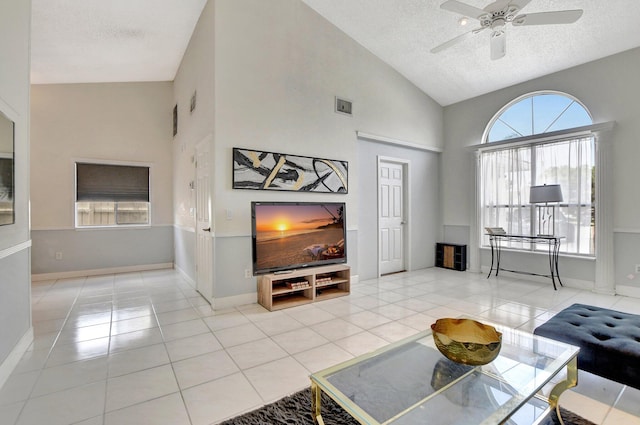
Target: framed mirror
<point x="7" y="179"/>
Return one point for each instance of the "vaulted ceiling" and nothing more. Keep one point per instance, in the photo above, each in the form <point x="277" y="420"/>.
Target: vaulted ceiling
<point x="82" y="41"/>
<point x="144" y="40"/>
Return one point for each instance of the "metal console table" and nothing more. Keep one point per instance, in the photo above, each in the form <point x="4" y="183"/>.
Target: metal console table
<point x="554" y="249"/>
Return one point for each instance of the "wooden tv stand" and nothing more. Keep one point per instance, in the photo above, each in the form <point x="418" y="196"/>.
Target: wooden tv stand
<point x="283" y="290"/>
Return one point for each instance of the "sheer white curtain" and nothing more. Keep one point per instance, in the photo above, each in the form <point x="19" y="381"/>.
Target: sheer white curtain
<point x="506" y="177"/>
<point x="572" y="165"/>
<point x="507" y="174"/>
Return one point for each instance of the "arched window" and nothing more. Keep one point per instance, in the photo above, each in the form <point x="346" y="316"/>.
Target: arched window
<point x="537" y="113"/>
<point x="517" y="157"/>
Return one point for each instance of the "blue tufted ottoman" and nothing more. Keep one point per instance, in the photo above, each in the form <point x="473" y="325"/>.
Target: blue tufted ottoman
<point x="609" y="340"/>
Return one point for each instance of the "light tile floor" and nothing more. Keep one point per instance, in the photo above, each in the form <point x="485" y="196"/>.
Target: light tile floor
<point x="144" y="348"/>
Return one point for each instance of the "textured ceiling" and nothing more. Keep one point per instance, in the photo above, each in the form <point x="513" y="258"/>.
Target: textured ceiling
<point x="81" y="41"/>
<point x="402" y="33"/>
<point x="77" y="41"/>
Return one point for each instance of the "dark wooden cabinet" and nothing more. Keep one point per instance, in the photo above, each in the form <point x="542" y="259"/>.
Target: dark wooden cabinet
<point x="451" y="256"/>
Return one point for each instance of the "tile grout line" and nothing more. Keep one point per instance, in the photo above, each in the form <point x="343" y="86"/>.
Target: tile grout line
<point x="173" y="371"/>
<point x="181" y="289"/>
<point x="41" y="370"/>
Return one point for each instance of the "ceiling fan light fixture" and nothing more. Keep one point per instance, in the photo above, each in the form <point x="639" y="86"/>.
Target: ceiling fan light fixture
<point x="498" y="24"/>
<point x="496" y="16"/>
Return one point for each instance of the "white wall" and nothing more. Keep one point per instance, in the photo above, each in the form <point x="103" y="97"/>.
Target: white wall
<point x="423" y="219"/>
<point x="14" y="103"/>
<point x="196" y="73"/>
<point x="128" y="122"/>
<point x="609" y="88"/>
<point x="278" y="70"/>
<point x="15" y="292"/>
<point x="277" y="67"/>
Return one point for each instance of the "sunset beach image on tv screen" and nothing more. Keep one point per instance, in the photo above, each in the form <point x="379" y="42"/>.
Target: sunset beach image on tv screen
<point x="289" y="235"/>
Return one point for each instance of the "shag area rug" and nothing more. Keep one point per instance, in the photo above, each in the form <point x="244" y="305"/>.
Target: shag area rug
<point x="296" y="410"/>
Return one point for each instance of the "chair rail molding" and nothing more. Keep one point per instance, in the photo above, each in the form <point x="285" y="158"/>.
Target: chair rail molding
<point x="4" y="253"/>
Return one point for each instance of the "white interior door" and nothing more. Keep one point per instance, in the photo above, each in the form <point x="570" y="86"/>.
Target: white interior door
<point x="391" y="217"/>
<point x="204" y="240"/>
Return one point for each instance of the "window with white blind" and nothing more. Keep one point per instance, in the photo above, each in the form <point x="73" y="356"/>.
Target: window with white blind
<point x="111" y="195"/>
<point x="507" y="172"/>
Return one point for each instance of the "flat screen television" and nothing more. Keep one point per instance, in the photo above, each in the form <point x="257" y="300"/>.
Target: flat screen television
<point x="292" y="235"/>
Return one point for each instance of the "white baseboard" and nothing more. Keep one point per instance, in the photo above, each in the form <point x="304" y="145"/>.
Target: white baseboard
<point x="605" y="292"/>
<point x="234" y="301"/>
<point x="12" y="360"/>
<point x="628" y="291"/>
<point x="585" y="285"/>
<point x="99" y="272"/>
<point x="566" y="281"/>
<point x="186" y="277"/>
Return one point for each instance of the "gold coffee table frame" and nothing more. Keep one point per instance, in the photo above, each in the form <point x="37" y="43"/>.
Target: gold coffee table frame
<point x="519" y="348"/>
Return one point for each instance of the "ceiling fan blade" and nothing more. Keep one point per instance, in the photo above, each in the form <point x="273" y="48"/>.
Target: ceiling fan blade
<point x="462" y="8"/>
<point x="521" y="3"/>
<point x="548" y="18"/>
<point x="455" y="40"/>
<point x="498" y="44"/>
<point x="497" y="6"/>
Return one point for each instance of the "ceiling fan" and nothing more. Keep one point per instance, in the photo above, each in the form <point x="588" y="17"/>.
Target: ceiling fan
<point x="497" y="15"/>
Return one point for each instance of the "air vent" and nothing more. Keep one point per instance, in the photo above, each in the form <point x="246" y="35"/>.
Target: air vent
<point x="343" y="106"/>
<point x="193" y="102"/>
<point x="175" y="120"/>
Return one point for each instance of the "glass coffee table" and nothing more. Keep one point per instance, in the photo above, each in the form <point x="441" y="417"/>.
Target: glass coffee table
<point x="411" y="382"/>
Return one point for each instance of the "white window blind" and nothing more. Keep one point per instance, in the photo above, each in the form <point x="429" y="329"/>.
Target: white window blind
<point x="112" y="183"/>
<point x="109" y="195"/>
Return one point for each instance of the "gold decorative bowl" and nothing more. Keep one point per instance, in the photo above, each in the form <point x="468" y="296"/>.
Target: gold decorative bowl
<point x="467" y="341"/>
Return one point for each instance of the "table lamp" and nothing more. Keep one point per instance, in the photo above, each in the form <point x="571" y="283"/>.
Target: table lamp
<point x="544" y="195"/>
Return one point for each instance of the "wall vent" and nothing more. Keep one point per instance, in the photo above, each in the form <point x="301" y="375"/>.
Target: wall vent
<point x="193" y="102"/>
<point x="343" y="106"/>
<point x="175" y="120"/>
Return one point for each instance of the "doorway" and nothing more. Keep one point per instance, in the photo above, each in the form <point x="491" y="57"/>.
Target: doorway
<point x="393" y="226"/>
<point x="204" y="239"/>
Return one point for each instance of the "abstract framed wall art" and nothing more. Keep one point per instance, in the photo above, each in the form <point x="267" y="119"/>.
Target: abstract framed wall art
<point x="259" y="170"/>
